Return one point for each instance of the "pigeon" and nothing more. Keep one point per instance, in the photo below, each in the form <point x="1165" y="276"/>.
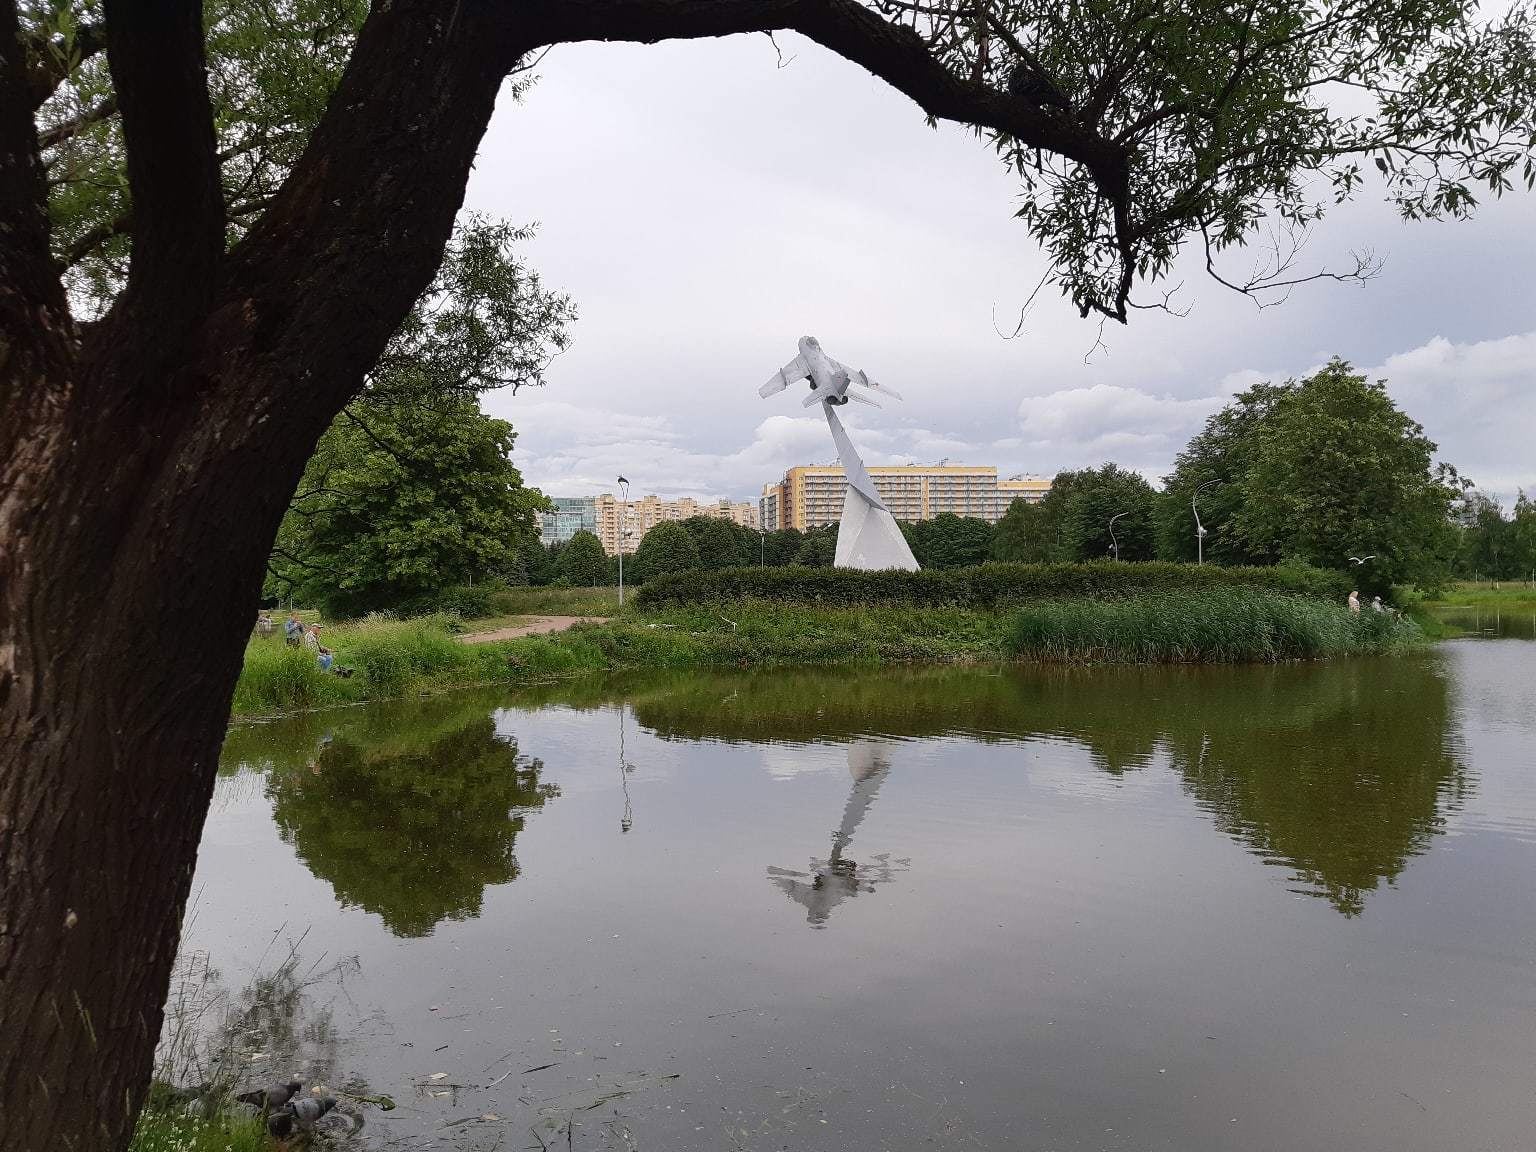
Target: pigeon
<point x="1028" y="82"/>
<point x="272" y="1097"/>
<point x="301" y="1114"/>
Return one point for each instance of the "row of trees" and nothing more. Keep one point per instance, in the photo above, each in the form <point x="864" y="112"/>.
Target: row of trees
<point x="412" y="490"/>
<point x="1319" y="469"/>
<point x="1496" y="546"/>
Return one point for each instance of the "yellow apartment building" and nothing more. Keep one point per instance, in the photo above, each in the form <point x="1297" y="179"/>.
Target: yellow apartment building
<point x="812" y="496"/>
<point x="640" y="516"/>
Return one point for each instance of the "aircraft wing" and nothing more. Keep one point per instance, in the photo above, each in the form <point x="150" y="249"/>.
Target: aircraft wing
<point x="864" y="381"/>
<point x="813" y="398"/>
<point x="796" y="369"/>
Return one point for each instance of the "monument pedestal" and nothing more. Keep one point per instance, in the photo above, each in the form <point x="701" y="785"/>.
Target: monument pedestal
<point x="868" y="536"/>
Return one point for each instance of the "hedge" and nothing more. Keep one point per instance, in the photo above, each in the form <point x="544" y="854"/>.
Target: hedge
<point x="987" y="586"/>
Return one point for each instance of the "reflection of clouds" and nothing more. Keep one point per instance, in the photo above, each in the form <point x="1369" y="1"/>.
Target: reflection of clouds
<point x="1064" y="775"/>
<point x="786" y="761"/>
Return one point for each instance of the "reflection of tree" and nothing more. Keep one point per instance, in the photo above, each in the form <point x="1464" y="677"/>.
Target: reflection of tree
<point x="413" y="833"/>
<point x="1340" y="771"/>
<point x="835" y="879"/>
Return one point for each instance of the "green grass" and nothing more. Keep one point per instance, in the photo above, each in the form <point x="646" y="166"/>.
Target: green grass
<point x="170" y="1132"/>
<point x="415" y="657"/>
<point x="1218" y="626"/>
<point x="559" y="601"/>
<point x="1510" y="594"/>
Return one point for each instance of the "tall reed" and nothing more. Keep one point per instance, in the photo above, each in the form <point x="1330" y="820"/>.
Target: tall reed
<point x="1218" y="625"/>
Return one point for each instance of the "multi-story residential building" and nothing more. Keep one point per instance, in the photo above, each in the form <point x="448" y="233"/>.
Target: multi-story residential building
<point x="572" y="514"/>
<point x="640" y="516"/>
<point x="812" y="496"/>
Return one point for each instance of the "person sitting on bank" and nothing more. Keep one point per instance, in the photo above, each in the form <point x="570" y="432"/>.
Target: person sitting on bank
<point x="264" y="625"/>
<point x="293" y="630"/>
<point x="322" y="653"/>
<point x="1376" y="604"/>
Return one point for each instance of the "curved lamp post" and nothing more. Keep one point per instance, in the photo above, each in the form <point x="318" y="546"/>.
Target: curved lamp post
<point x="1115" y="544"/>
<point x="1199" y="527"/>
<point x="623" y="524"/>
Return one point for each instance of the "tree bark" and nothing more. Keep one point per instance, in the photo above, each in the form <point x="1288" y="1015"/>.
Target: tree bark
<point x="144" y="467"/>
<point x="145" y="463"/>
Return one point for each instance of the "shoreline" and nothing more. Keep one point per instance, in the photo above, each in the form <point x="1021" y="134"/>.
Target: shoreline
<point x="424" y="657"/>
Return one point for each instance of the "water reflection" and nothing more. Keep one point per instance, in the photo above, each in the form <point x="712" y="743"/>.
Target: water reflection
<point x="838" y="877"/>
<point x="1341" y="772"/>
<point x="411" y="823"/>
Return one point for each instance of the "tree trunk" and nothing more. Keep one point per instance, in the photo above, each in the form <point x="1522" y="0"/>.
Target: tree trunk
<point x="144" y="468"/>
<point x="145" y="463"/>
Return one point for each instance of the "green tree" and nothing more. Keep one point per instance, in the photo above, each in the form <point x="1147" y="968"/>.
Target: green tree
<point x="1024" y="535"/>
<point x="582" y="562"/>
<point x="1089" y="499"/>
<point x="668" y="547"/>
<point x="1214" y="460"/>
<point x="949" y="541"/>
<point x="403" y="499"/>
<point x="1487" y="547"/>
<point x="818" y="548"/>
<point x="781" y="547"/>
<point x="1337" y="471"/>
<point x="172" y="429"/>
<point x="722" y="543"/>
<point x="1523" y="538"/>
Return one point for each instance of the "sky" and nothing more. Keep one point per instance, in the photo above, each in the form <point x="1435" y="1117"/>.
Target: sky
<point x="705" y="206"/>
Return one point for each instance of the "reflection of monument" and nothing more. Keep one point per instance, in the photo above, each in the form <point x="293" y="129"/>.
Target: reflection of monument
<point x="833" y="880"/>
<point x="867" y="536"/>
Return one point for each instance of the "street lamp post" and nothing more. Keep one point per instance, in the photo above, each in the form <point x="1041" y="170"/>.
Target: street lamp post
<point x="623" y="523"/>
<point x="762" y="548"/>
<point x="1114" y="543"/>
<point x="1199" y="527"/>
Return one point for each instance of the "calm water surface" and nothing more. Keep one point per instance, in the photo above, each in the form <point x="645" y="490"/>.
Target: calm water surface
<point x="1183" y="909"/>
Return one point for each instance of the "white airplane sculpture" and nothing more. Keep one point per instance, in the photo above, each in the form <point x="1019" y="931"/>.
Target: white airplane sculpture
<point x="868" y="536"/>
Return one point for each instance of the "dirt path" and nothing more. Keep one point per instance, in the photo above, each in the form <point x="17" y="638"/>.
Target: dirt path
<point x="531" y="626"/>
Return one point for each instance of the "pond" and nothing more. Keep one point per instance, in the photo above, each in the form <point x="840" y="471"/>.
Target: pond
<point x="1217" y="908"/>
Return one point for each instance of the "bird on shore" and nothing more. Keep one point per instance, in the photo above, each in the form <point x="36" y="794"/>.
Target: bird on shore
<point x="272" y="1097"/>
<point x="298" y="1116"/>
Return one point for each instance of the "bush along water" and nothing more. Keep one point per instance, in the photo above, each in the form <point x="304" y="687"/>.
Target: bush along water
<point x="1219" y="625"/>
<point x="988" y="586"/>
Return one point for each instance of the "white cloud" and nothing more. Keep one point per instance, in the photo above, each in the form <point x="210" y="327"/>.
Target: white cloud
<point x="1077" y="427"/>
<point x="1477" y="401"/>
<point x="701" y="236"/>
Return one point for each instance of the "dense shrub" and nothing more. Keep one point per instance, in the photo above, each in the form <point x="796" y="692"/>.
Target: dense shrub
<point x="465" y="602"/>
<point x="987" y="586"/>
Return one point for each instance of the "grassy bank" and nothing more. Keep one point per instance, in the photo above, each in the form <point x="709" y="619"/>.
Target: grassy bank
<point x="171" y="1132"/>
<point x="1220" y="626"/>
<point x="401" y="658"/>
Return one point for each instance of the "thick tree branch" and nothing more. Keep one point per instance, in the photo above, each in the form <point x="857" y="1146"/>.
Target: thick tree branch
<point x="892" y="52"/>
<point x="32" y="305"/>
<point x="72" y="127"/>
<point x="155" y="52"/>
<point x="57" y="61"/>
